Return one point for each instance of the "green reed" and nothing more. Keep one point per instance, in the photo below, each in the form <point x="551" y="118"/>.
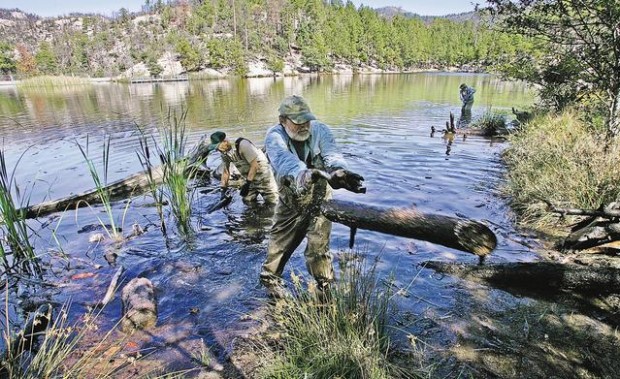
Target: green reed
<point x="153" y="176"/>
<point x="176" y="170"/>
<point x="15" y="230"/>
<point x="113" y="229"/>
<point x="53" y="82"/>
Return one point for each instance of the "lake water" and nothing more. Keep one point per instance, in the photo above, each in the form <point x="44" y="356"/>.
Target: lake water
<point x="382" y="123"/>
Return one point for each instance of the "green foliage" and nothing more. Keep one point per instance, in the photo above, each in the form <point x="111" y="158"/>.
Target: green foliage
<point x="154" y="68"/>
<point x="189" y="55"/>
<point x="7" y="62"/>
<point x="491" y="123"/>
<point x="223" y="34"/>
<point x="275" y="64"/>
<point x="580" y="55"/>
<point x="46" y="59"/>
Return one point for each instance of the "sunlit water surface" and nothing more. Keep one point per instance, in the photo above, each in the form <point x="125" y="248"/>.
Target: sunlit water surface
<point x="206" y="285"/>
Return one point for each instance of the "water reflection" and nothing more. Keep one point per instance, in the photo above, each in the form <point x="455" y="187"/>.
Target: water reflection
<point x="382" y="123"/>
<point x="465" y="118"/>
<point x="252" y="225"/>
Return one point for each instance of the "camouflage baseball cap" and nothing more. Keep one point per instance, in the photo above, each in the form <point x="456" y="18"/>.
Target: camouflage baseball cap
<point x="216" y="138"/>
<point x="296" y="109"/>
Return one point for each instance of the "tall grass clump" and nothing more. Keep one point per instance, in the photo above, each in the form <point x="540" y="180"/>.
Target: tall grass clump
<point x="175" y="170"/>
<point x="52" y="83"/>
<point x="562" y="160"/>
<point x="64" y="350"/>
<point x="113" y="229"/>
<point x="491" y="123"/>
<point x="345" y="336"/>
<point x="16" y="249"/>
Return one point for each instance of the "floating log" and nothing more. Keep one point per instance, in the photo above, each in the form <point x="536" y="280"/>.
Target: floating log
<point x="457" y="233"/>
<point x="540" y="277"/>
<point x="134" y="184"/>
<point x="119" y="188"/>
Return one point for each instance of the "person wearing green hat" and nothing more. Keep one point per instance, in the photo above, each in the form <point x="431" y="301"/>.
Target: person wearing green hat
<point x="202" y="151"/>
<point x="253" y="165"/>
<point x="307" y="165"/>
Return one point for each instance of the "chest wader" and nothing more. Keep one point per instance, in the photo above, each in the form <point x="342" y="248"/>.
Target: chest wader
<point x="264" y="183"/>
<point x="297" y="217"/>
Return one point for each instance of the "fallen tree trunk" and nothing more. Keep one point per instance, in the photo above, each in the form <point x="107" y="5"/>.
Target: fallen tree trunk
<point x="458" y="233"/>
<point x="120" y="188"/>
<point x="541" y="277"/>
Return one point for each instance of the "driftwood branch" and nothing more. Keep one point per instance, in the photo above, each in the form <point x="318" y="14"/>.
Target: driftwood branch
<point x="109" y="295"/>
<point x="609" y="211"/>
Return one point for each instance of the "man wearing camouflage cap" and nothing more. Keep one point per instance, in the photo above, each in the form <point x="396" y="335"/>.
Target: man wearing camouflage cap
<point x="307" y="165"/>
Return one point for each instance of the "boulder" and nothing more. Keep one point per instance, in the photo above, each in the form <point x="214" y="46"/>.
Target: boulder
<point x="139" y="305"/>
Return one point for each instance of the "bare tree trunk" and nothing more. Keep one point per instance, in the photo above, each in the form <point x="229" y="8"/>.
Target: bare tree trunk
<point x="613" y="123"/>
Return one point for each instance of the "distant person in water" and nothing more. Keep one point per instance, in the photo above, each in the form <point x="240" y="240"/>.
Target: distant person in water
<point x="466" y="94"/>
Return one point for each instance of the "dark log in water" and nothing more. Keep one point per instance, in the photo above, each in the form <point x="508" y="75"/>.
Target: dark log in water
<point x="120" y="189"/>
<point x="541" y="277"/>
<point x="458" y="233"/>
<point x="136" y="183"/>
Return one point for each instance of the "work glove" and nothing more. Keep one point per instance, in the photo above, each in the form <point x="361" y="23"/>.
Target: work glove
<point x="348" y="180"/>
<point x="245" y="188"/>
<point x="306" y="177"/>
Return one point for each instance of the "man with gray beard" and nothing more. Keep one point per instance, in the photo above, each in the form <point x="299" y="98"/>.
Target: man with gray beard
<point x="307" y="165"/>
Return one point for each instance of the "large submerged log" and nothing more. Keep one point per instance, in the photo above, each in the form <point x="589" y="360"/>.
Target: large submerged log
<point x="541" y="277"/>
<point x="457" y="233"/>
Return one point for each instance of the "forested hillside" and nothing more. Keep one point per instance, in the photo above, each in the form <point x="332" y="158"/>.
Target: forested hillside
<point x="231" y="35"/>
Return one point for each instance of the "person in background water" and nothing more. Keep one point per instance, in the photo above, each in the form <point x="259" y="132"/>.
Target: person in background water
<point x="251" y="163"/>
<point x="467" y="96"/>
<point x="307" y="165"/>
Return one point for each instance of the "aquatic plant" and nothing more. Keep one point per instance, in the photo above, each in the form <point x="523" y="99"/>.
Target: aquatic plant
<point x="17" y="252"/>
<point x="491" y="123"/>
<point x="176" y="170"/>
<point x="54" y="83"/>
<point x="339" y="334"/>
<point x="113" y="229"/>
<point x="153" y="177"/>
